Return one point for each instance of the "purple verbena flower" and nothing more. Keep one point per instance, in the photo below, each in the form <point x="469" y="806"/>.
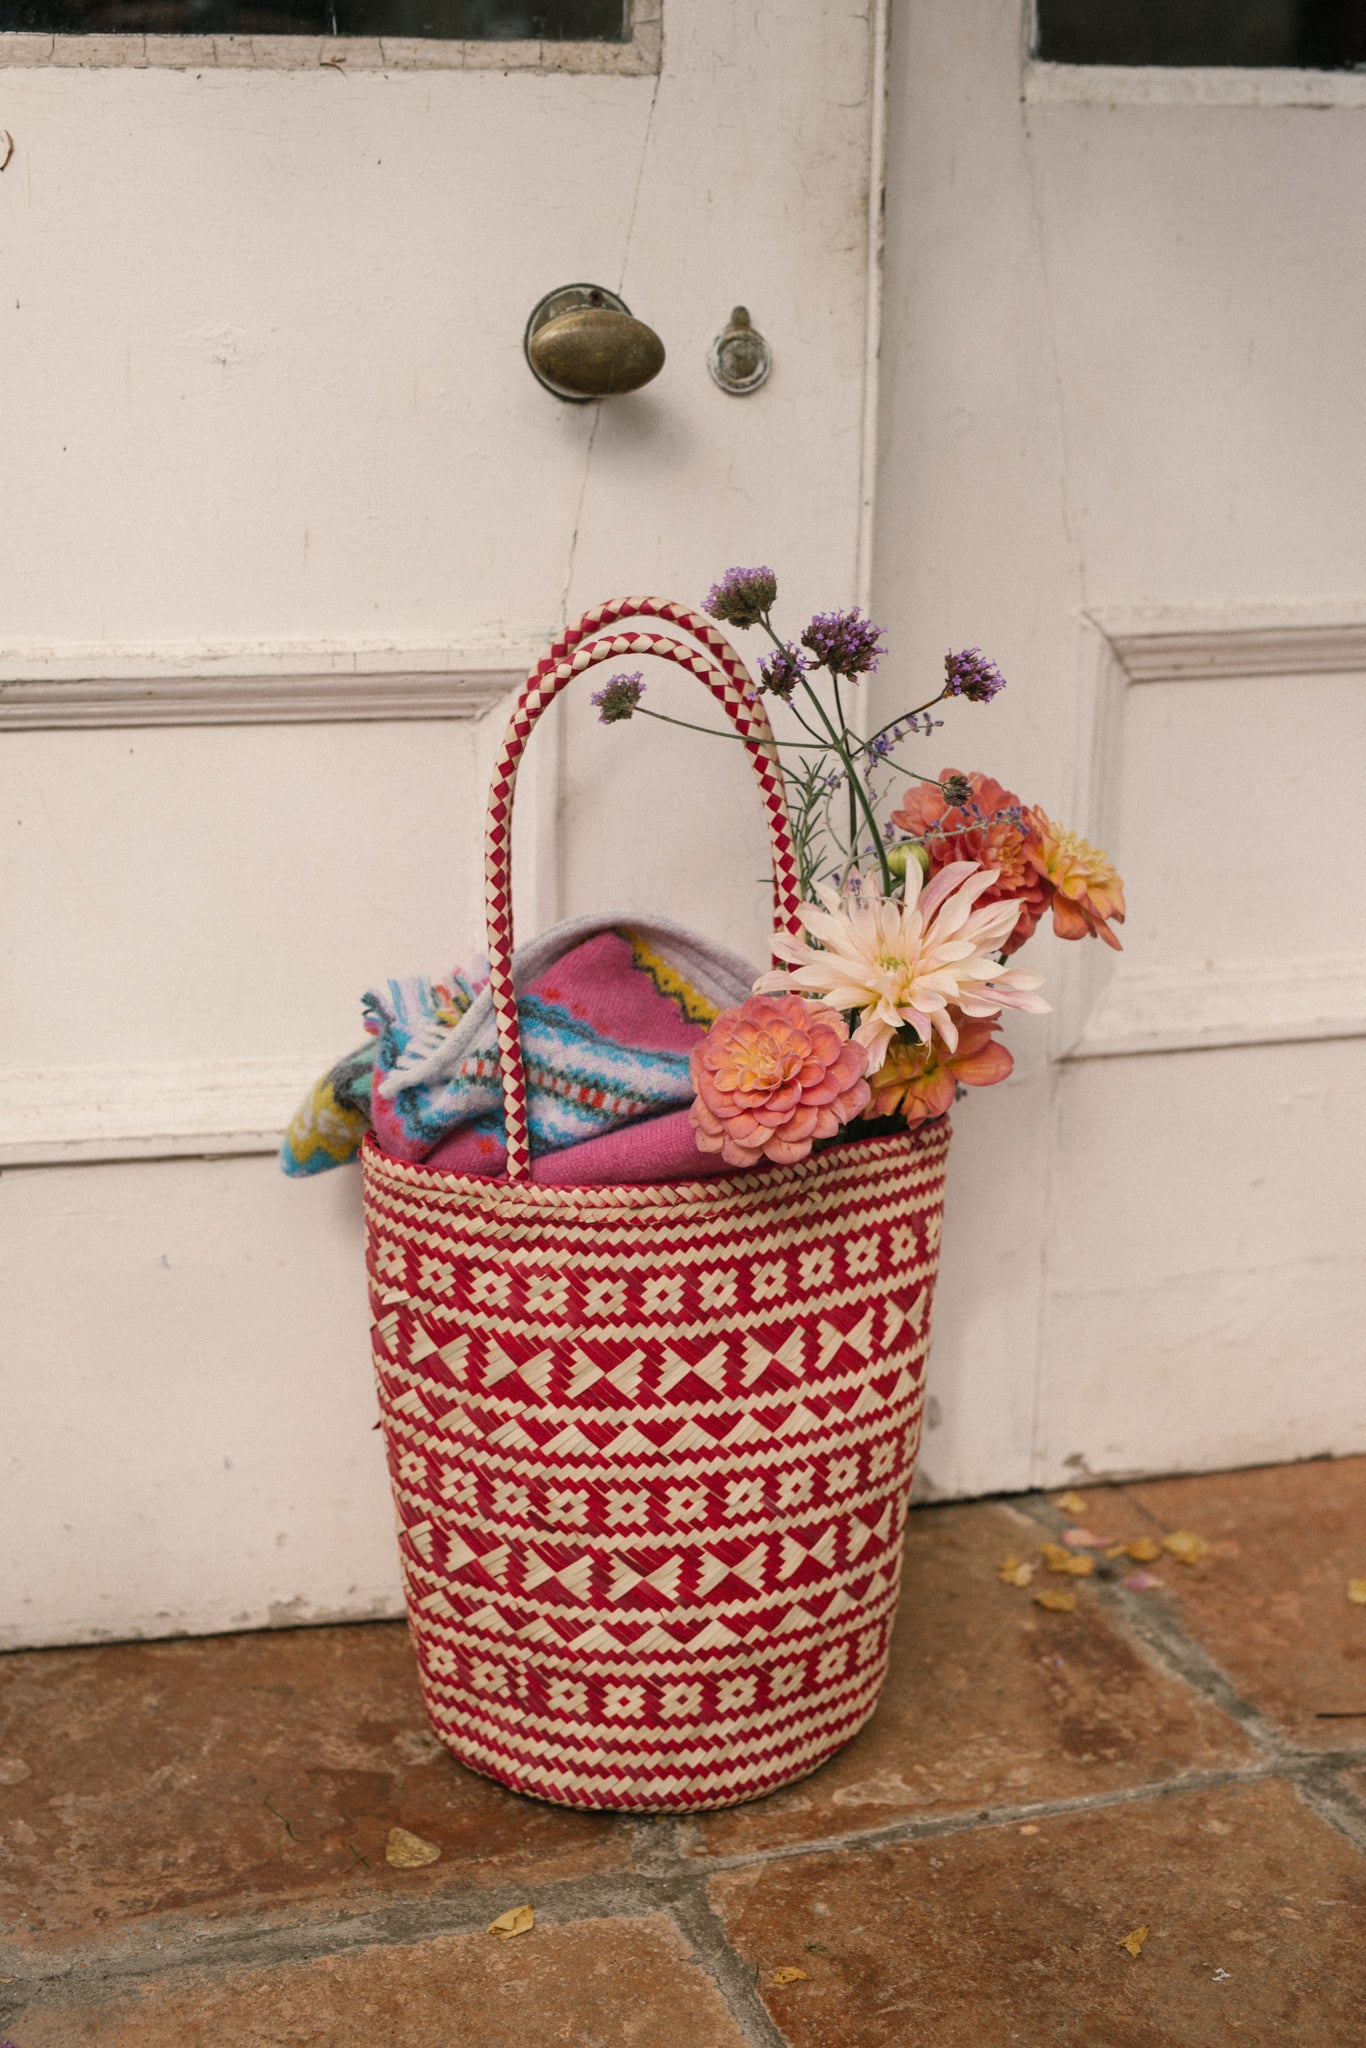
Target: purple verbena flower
<point x="844" y="642"/>
<point x="969" y="674"/>
<point x="619" y="697"/>
<point x="742" y="597"/>
<point x="781" y="671"/>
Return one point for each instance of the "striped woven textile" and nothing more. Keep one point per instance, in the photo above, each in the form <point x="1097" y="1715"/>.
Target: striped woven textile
<point x="651" y="1448"/>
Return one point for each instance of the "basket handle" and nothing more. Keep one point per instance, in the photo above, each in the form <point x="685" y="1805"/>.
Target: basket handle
<point x="726" y="676"/>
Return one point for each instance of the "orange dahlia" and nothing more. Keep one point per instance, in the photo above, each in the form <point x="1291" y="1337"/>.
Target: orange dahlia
<point x="919" y="1080"/>
<point x="999" y="842"/>
<point x="772" y="1077"/>
<point x="1087" y="891"/>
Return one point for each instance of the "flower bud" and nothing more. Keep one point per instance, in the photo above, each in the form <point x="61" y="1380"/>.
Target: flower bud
<point x="900" y="856"/>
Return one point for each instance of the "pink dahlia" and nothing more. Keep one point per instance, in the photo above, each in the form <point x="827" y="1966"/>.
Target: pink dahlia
<point x="998" y="835"/>
<point x="772" y="1077"/>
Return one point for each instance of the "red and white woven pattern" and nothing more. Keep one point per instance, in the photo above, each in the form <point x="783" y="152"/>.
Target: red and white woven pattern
<point x="726" y="676"/>
<point x="651" y="1449"/>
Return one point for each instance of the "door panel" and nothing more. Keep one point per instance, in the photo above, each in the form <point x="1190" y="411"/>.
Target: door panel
<point x="265" y="392"/>
<point x="1135" y="475"/>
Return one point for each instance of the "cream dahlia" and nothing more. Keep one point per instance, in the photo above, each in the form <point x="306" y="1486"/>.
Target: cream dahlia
<point x="913" y="960"/>
<point x="772" y="1077"/>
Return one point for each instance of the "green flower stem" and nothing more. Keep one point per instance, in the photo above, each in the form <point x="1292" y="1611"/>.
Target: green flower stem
<point x="901" y="718"/>
<point x="713" y="733"/>
<point x="856" y="784"/>
<point x="858" y="794"/>
<point x="853" y="796"/>
<point x="781" y="645"/>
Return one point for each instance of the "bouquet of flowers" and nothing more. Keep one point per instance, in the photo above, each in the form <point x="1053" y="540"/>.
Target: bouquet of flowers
<point x="891" y="1001"/>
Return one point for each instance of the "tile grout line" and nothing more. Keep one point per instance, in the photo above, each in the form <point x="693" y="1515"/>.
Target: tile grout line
<point x="700" y="1925"/>
<point x="657" y="1852"/>
<point x="939" y="1826"/>
<point x="252" y="1944"/>
<point x="1324" y="1794"/>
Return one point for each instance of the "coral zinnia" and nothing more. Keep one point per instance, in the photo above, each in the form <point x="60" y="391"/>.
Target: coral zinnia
<point x="1087" y="891"/>
<point x="912" y="961"/>
<point x="919" y="1080"/>
<point x="998" y="836"/>
<point x="772" y="1077"/>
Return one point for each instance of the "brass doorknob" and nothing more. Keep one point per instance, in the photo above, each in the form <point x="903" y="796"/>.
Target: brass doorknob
<point x="582" y="342"/>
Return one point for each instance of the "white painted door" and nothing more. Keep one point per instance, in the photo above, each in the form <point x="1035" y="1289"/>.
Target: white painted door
<point x="1124" y="448"/>
<point x="288" y="516"/>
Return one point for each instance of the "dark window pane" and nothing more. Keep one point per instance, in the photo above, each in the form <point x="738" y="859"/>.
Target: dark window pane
<point x="1320" y="35"/>
<point x="599" y="21"/>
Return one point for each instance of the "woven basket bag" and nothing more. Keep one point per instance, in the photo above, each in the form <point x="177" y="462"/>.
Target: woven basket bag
<point x="651" y="1445"/>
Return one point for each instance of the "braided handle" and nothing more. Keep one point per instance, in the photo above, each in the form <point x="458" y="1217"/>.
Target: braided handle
<point x="726" y="676"/>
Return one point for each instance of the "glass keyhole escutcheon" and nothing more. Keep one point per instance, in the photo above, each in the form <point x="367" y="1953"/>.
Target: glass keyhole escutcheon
<point x="740" y="359"/>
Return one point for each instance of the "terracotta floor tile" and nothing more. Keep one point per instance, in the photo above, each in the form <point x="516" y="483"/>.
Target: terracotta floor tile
<point x="989" y="1700"/>
<point x="995" y="1938"/>
<point x="244" y="1772"/>
<point x="596" y="1984"/>
<point x="1269" y="1601"/>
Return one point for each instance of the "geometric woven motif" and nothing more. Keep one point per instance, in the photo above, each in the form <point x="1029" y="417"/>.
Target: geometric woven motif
<point x="651" y="1448"/>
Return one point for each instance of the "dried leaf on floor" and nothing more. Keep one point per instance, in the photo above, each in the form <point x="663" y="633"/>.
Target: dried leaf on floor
<point x="517" y="1920"/>
<point x="1139" y="1582"/>
<point x="1143" y="1550"/>
<point x="789" y="1974"/>
<point x="1185" y="1547"/>
<point x="1055" y="1600"/>
<point x="409" y="1852"/>
<point x="1014" y="1571"/>
<point x="1356" y="1592"/>
<point x="1082" y="1539"/>
<point x="1134" y="1942"/>
<point x="1059" y="1560"/>
<point x="1070" y="1504"/>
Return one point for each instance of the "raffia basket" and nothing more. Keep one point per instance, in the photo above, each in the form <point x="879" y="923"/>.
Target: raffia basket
<point x="651" y="1445"/>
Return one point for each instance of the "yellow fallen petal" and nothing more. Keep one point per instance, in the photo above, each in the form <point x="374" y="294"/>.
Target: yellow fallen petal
<point x="1070" y="1504"/>
<point x="1074" y="1564"/>
<point x="1014" y="1571"/>
<point x="1356" y="1592"/>
<point x="1116" y="1550"/>
<point x="1134" y="1942"/>
<point x="1056" y="1601"/>
<point x="789" y="1974"/>
<point x="517" y="1920"/>
<point x="1185" y="1547"/>
<point x="409" y="1852"/>
<point x="1144" y="1550"/>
